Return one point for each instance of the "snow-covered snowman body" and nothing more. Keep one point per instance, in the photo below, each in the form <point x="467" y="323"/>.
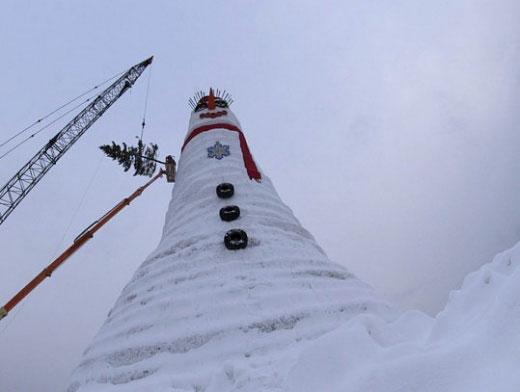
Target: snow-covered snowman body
<point x="197" y="316"/>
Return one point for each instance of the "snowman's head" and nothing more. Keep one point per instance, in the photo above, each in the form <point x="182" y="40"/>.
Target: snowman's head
<point x="212" y="108"/>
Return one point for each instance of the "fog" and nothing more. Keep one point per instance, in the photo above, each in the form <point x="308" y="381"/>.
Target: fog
<point x="390" y="129"/>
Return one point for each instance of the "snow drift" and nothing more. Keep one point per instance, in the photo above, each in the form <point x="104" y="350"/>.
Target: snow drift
<point x="472" y="345"/>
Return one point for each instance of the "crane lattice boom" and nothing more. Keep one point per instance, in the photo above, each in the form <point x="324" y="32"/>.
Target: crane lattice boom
<point x="12" y="193"/>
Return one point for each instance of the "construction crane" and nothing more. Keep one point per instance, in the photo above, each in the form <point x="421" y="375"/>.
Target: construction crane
<point x="12" y="193"/>
<point x="80" y="240"/>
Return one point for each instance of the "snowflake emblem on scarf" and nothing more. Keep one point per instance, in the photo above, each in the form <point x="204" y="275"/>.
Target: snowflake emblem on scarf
<point x="218" y="151"/>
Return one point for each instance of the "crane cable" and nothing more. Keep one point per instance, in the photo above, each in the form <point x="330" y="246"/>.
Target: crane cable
<point x="80" y="240"/>
<point x="59" y="108"/>
<point x="143" y="123"/>
<point x="80" y="204"/>
<point x="55" y="251"/>
<point x="23" y="141"/>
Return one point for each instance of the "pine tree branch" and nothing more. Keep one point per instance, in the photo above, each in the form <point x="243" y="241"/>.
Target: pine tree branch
<point x="141" y="157"/>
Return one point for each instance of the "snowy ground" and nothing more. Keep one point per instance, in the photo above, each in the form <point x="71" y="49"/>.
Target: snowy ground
<point x="472" y="345"/>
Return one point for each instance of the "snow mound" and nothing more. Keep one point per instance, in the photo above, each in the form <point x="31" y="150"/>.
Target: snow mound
<point x="472" y="345"/>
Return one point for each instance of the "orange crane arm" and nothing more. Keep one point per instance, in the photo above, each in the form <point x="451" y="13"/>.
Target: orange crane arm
<point x="78" y="243"/>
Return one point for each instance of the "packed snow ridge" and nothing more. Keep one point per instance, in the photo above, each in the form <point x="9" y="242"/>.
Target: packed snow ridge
<point x="472" y="345"/>
<point x="279" y="315"/>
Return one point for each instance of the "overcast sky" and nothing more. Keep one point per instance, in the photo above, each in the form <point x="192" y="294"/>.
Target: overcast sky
<point x="389" y="127"/>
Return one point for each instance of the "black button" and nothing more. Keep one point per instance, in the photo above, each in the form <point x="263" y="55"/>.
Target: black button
<point x="235" y="239"/>
<point x="229" y="213"/>
<point x="225" y="190"/>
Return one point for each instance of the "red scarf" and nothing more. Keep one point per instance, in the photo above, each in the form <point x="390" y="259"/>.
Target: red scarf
<point x="250" y="165"/>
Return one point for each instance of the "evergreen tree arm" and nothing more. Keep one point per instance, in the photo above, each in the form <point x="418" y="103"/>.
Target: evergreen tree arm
<point x="139" y="157"/>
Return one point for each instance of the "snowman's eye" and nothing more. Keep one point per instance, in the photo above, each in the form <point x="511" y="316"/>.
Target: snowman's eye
<point x="200" y="106"/>
<point x="221" y="103"/>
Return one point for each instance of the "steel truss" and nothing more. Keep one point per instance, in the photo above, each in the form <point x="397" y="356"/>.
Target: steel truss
<point x="12" y="193"/>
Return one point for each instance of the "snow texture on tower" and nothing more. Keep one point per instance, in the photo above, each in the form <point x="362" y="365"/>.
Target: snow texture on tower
<point x="197" y="316"/>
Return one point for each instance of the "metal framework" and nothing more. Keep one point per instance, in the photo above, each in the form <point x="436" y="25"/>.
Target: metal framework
<point x="12" y="193"/>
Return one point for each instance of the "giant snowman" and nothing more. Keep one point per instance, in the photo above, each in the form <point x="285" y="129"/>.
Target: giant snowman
<point x="235" y="287"/>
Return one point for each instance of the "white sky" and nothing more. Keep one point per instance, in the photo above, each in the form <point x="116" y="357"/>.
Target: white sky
<point x="390" y="128"/>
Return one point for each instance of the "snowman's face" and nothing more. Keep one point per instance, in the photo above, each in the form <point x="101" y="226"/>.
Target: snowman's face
<point x="211" y="110"/>
<point x="204" y="103"/>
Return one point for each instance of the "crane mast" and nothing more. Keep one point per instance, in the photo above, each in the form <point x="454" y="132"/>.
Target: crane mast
<point x="12" y="193"/>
